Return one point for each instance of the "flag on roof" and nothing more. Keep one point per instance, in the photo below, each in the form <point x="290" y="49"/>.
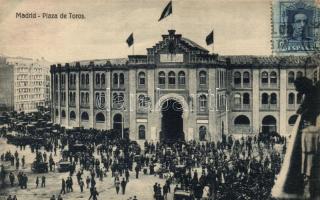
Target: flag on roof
<point x="130" y="40"/>
<point x="167" y="11"/>
<point x="210" y="38"/>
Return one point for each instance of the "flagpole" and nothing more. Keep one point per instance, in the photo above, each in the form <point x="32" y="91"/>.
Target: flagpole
<point x="213" y="41"/>
<point x="133" y="49"/>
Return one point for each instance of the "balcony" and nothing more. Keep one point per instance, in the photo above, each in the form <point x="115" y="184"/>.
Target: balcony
<point x="246" y="85"/>
<point x="269" y="107"/>
<point x="241" y="107"/>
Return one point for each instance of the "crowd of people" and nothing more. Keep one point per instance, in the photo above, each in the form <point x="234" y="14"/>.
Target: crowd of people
<point x="232" y="168"/>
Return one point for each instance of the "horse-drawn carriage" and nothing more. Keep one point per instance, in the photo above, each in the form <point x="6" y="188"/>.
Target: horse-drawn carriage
<point x="39" y="167"/>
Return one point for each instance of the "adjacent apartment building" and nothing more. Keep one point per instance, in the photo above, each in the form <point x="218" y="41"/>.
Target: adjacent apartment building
<point x="24" y="84"/>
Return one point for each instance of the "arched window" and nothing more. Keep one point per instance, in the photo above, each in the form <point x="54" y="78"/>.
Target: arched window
<point x="246" y="98"/>
<point x="72" y="115"/>
<point x="269" y="124"/>
<point x="82" y="98"/>
<point x="83" y="79"/>
<point x="97" y="79"/>
<point x="87" y="97"/>
<point x="291" y="77"/>
<point x="299" y="98"/>
<point x="172" y="78"/>
<point x="246" y="78"/>
<point x="114" y="98"/>
<point x="203" y="78"/>
<point x="56" y="80"/>
<point x="265" y="98"/>
<point x="87" y="79"/>
<point x="142" y="100"/>
<point x="84" y="116"/>
<point x="63" y="114"/>
<point x="100" y="117"/>
<point x="299" y="74"/>
<point x="292" y="120"/>
<point x="103" y="79"/>
<point x="181" y="78"/>
<point x="242" y="120"/>
<point x="273" y="77"/>
<point x="291" y="98"/>
<point x="237" y="78"/>
<point x="273" y="98"/>
<point x="57" y="112"/>
<point x="203" y="102"/>
<point x="237" y="99"/>
<point x="315" y="76"/>
<point x="115" y="79"/>
<point x="70" y="79"/>
<point x="121" y="79"/>
<point x="142" y="132"/>
<point x="142" y="78"/>
<point x="264" y="77"/>
<point x="162" y="78"/>
<point x="202" y="133"/>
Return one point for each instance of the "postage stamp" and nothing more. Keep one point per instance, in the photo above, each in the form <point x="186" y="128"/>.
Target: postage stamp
<point x="296" y="26"/>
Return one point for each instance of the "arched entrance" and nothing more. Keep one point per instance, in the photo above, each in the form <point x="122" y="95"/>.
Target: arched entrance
<point x="269" y="124"/>
<point x="118" y="123"/>
<point x="171" y="121"/>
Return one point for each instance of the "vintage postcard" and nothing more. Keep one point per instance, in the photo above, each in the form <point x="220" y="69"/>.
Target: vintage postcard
<point x="159" y="99"/>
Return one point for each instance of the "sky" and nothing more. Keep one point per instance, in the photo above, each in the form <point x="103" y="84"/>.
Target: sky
<point x="241" y="27"/>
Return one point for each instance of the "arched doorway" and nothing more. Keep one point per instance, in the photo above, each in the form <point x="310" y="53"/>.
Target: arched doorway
<point x="118" y="123"/>
<point x="171" y="122"/>
<point x="269" y="124"/>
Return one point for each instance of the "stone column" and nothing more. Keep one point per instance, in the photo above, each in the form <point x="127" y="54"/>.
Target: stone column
<point x="108" y="100"/>
<point x="67" y="97"/>
<point x="78" y="96"/>
<point x="212" y="95"/>
<point x="91" y="97"/>
<point x="255" y="100"/>
<point x="283" y="102"/>
<point x="193" y="102"/>
<point x="132" y="104"/>
<point x="153" y="128"/>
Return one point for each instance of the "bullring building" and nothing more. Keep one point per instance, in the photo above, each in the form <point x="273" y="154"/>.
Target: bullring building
<point x="178" y="90"/>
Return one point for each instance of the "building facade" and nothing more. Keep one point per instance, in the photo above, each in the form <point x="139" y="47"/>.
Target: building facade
<point x="180" y="91"/>
<point x="26" y="82"/>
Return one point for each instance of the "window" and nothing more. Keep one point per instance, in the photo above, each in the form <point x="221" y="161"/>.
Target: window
<point x="291" y="98"/>
<point x="202" y="133"/>
<point x="115" y="79"/>
<point x="273" y="77"/>
<point x="100" y="117"/>
<point x="97" y="79"/>
<point x="72" y="115"/>
<point x="63" y="114"/>
<point x="82" y="98"/>
<point x="142" y="132"/>
<point x="162" y="78"/>
<point x="84" y="116"/>
<point x="203" y="78"/>
<point x="299" y="98"/>
<point x="299" y="74"/>
<point x="181" y="78"/>
<point x="103" y="79"/>
<point x="70" y="79"/>
<point x="121" y="79"/>
<point x="315" y="76"/>
<point x="246" y="78"/>
<point x="246" y="98"/>
<point x="237" y="78"/>
<point x="142" y="78"/>
<point x="142" y="101"/>
<point x="87" y="97"/>
<point x="291" y="77"/>
<point x="203" y="102"/>
<point x="265" y="98"/>
<point x="57" y="112"/>
<point x="237" y="99"/>
<point x="273" y="99"/>
<point x="172" y="78"/>
<point x="264" y="77"/>
<point x="242" y="120"/>
<point x="292" y="120"/>
<point x="87" y="79"/>
<point x="83" y="79"/>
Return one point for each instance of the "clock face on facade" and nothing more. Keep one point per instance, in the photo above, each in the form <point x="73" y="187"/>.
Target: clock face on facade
<point x="172" y="47"/>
